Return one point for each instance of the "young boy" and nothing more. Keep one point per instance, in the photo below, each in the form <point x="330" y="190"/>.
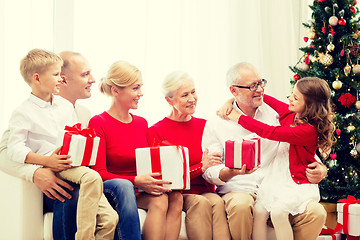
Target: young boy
<point x="34" y="127"/>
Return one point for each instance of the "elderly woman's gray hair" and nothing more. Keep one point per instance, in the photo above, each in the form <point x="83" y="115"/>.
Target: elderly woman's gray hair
<point x="234" y="73"/>
<point x="173" y="82"/>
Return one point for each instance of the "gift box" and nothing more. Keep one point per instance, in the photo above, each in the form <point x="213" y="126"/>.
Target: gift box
<point x="349" y="216"/>
<point x="245" y="151"/>
<point x="171" y="161"/>
<point x="336" y="236"/>
<point x="81" y="144"/>
<point x="331" y="217"/>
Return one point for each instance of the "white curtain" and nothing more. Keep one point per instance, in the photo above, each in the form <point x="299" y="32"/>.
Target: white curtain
<point x="202" y="37"/>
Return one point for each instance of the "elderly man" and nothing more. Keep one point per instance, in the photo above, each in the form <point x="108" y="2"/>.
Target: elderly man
<point x="77" y="77"/>
<point x="239" y="191"/>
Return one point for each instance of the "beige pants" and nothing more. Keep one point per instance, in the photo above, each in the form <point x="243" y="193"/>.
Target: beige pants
<point x="95" y="218"/>
<point x="240" y="207"/>
<point x="205" y="217"/>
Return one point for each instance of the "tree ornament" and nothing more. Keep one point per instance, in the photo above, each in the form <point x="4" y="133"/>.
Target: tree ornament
<point x="354" y="152"/>
<point x="333" y="21"/>
<point x="342" y="52"/>
<point x="356" y="34"/>
<point x="306" y="39"/>
<point x="357" y="104"/>
<point x="338" y="132"/>
<point x="342" y="22"/>
<point x="354" y="48"/>
<point x="350" y="128"/>
<point x="333" y="156"/>
<point x="358" y="147"/>
<point x="296" y="77"/>
<point x="311" y="34"/>
<point x="352" y="9"/>
<point x="302" y="66"/>
<point x="347" y="70"/>
<point x="337" y="84"/>
<point x="347" y="99"/>
<point x="356" y="69"/>
<point x="330" y="47"/>
<point x="326" y="59"/>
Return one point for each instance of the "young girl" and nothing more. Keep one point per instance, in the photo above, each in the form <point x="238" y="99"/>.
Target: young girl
<point x="305" y="125"/>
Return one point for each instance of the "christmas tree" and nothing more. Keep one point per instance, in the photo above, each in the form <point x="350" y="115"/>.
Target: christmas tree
<point x="332" y="54"/>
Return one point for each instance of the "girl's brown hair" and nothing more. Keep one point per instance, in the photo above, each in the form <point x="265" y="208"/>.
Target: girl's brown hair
<point x="318" y="111"/>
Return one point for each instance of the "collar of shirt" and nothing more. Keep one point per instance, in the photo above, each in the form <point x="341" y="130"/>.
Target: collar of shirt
<point x="258" y="111"/>
<point x="39" y="102"/>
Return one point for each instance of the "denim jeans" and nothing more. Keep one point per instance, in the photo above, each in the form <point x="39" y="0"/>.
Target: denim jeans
<point x="121" y="196"/>
<point x="64" y="221"/>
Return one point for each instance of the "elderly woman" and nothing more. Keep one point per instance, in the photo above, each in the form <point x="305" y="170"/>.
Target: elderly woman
<point x="121" y="133"/>
<point x="205" y="211"/>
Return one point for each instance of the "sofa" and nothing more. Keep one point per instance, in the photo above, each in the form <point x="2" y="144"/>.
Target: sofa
<point x="21" y="208"/>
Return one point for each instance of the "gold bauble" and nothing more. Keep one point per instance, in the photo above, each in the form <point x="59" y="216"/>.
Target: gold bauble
<point x="350" y="128"/>
<point x="311" y="34"/>
<point x="337" y="84"/>
<point x="302" y="67"/>
<point x="333" y="21"/>
<point x="357" y="104"/>
<point x="330" y="47"/>
<point x="356" y="69"/>
<point x="326" y="59"/>
<point x="347" y="70"/>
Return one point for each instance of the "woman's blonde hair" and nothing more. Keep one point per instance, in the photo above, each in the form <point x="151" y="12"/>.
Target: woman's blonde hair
<point x="173" y="81"/>
<point x="120" y="74"/>
<point x="318" y="111"/>
<point x="37" y="61"/>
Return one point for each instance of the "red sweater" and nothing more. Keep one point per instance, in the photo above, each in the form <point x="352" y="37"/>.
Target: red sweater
<point x="302" y="138"/>
<point x="118" y="141"/>
<point x="187" y="134"/>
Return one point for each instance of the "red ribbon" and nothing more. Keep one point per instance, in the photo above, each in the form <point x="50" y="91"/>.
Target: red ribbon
<point x="155" y="158"/>
<point x="89" y="133"/>
<point x="330" y="231"/>
<point x="349" y="200"/>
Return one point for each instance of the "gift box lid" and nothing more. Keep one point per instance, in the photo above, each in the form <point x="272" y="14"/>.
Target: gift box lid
<point x="354" y="209"/>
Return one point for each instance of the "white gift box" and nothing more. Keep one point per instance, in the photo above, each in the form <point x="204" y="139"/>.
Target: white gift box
<point x="171" y="161"/>
<point x="354" y="218"/>
<point x="83" y="150"/>
<point x="336" y="236"/>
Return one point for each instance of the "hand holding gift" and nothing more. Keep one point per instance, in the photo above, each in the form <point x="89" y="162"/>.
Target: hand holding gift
<point x="81" y="144"/>
<point x="171" y="161"/>
<point x="244" y="152"/>
<point x="151" y="184"/>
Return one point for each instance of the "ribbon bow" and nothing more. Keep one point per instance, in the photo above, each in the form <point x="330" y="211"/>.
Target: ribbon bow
<point x="76" y="129"/>
<point x="349" y="200"/>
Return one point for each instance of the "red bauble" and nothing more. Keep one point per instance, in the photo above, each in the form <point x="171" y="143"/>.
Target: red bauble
<point x="333" y="156"/>
<point x="338" y="131"/>
<point x="306" y="39"/>
<point x="342" y="52"/>
<point x="342" y="22"/>
<point x="296" y="77"/>
<point x="353" y="9"/>
<point x="321" y="0"/>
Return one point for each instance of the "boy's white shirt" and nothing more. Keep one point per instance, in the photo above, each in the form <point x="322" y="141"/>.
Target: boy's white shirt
<point x="26" y="171"/>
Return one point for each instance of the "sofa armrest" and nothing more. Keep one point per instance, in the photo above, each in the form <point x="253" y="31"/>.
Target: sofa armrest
<point x="21" y="207"/>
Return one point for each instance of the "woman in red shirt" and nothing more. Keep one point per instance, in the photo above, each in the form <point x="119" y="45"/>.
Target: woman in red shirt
<point x="121" y="133"/>
<point x="205" y="211"/>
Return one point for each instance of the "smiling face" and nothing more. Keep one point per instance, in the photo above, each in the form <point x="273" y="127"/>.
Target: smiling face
<point x="184" y="99"/>
<point x="48" y="82"/>
<point x="297" y="101"/>
<point x="247" y="100"/>
<point x="78" y="78"/>
<point x="129" y="96"/>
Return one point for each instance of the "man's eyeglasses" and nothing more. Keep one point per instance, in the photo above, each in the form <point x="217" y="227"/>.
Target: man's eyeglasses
<point x="253" y="87"/>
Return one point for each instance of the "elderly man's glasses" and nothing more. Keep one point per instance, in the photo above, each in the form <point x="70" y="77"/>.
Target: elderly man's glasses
<point x="253" y="87"/>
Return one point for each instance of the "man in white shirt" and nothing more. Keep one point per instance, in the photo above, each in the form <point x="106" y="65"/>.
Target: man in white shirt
<point x="239" y="191"/>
